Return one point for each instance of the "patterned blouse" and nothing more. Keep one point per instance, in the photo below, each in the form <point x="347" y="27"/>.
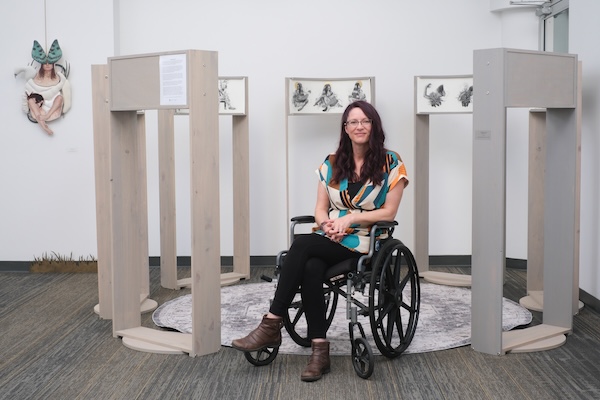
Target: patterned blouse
<point x="369" y="197"/>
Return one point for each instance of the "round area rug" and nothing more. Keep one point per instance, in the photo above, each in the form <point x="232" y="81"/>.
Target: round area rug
<point x="444" y="318"/>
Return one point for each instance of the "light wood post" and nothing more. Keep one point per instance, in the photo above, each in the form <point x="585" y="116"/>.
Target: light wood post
<point x="241" y="193"/>
<point x="126" y="243"/>
<point x="168" y="220"/>
<point x="422" y="192"/>
<point x="206" y="234"/>
<point x="101" y="118"/>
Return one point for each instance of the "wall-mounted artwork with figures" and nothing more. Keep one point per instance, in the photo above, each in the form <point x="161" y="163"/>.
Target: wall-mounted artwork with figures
<point x="444" y="94"/>
<point x="47" y="93"/>
<point x="319" y="96"/>
<point x="232" y="95"/>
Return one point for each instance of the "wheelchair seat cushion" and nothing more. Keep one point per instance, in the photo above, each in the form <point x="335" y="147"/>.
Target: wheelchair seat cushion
<point x="338" y="271"/>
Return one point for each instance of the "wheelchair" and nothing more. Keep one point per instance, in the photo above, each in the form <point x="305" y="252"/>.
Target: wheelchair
<point x="388" y="273"/>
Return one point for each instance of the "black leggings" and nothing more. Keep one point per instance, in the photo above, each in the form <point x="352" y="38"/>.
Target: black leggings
<point x="304" y="266"/>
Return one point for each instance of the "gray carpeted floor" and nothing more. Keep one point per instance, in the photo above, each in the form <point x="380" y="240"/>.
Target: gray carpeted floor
<point x="52" y="346"/>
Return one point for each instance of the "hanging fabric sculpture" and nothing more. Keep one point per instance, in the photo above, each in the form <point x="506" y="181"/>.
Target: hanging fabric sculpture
<point x="47" y="94"/>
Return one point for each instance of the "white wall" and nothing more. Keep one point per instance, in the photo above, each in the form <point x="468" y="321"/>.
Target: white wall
<point x="47" y="183"/>
<point x="271" y="40"/>
<point x="583" y="27"/>
<point x="47" y="198"/>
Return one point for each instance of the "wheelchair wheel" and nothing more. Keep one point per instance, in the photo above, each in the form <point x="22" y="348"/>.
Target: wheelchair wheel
<point x="362" y="358"/>
<point x="262" y="357"/>
<point x="394" y="298"/>
<point x="295" y="321"/>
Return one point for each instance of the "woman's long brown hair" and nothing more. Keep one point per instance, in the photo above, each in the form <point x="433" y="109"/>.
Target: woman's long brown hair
<point x="375" y="157"/>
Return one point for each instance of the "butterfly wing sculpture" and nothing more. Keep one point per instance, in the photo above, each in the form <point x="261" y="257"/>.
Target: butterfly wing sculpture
<point x="39" y="55"/>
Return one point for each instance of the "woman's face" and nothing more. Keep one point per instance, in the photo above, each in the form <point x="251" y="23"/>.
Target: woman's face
<point x="358" y="126"/>
<point x="48" y="67"/>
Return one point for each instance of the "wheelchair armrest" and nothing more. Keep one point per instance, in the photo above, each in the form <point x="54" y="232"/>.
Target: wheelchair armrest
<point x="303" y="219"/>
<point x="385" y="224"/>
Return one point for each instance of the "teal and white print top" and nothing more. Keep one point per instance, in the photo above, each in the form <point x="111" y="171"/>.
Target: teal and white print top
<point x="369" y="197"/>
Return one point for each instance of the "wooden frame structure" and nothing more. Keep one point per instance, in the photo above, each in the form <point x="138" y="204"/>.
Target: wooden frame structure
<point x="241" y="190"/>
<point x="421" y="183"/>
<point x="517" y="78"/>
<point x="127" y="85"/>
<point x="534" y="300"/>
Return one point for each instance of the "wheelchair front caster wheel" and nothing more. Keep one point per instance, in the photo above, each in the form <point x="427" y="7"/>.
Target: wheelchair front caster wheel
<point x="362" y="358"/>
<point x="262" y="357"/>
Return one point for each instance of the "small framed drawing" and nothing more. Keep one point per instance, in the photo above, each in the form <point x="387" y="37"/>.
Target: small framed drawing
<point x="233" y="95"/>
<point x="444" y="94"/>
<point x="326" y="96"/>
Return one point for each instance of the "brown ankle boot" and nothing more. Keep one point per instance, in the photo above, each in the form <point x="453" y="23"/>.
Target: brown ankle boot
<point x="318" y="364"/>
<point x="267" y="334"/>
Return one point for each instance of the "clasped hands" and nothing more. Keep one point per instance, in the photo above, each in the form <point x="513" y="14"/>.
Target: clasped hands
<point x="335" y="229"/>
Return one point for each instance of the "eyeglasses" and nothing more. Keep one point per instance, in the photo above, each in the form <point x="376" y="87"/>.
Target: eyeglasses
<point x="354" y="123"/>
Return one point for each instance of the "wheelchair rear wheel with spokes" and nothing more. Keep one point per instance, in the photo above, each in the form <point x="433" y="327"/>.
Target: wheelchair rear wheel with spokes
<point x="394" y="298"/>
<point x="295" y="320"/>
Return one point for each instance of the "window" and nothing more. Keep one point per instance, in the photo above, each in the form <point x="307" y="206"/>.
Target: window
<point x="554" y="26"/>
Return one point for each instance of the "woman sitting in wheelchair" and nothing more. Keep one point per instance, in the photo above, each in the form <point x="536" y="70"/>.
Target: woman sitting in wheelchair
<point x="359" y="185"/>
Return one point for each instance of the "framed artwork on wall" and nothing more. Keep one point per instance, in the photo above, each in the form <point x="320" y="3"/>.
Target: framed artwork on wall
<point x="444" y="94"/>
<point x="326" y="96"/>
<point x="47" y="92"/>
